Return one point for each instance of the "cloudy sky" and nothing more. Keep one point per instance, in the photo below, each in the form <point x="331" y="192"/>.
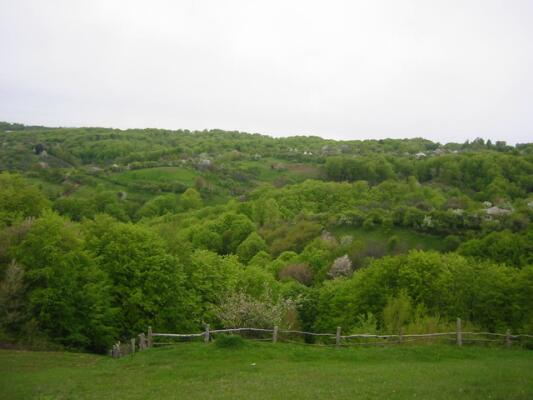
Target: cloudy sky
<point x="447" y="70"/>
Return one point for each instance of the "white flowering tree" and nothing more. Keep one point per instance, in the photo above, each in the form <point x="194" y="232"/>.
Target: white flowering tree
<point x="342" y="266"/>
<point x="240" y="310"/>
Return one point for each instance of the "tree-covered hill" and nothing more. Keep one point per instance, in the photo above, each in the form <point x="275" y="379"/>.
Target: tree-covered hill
<point x="106" y="231"/>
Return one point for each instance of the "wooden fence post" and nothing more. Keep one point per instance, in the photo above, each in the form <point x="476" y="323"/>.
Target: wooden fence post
<point x="459" y="333"/>
<point x="142" y="344"/>
<point x="275" y="335"/>
<point x="114" y="351"/>
<point x="150" y="338"/>
<point x="206" y="334"/>
<point x="119" y="352"/>
<point x="508" y="340"/>
<point x="338" y="337"/>
<point x="132" y="345"/>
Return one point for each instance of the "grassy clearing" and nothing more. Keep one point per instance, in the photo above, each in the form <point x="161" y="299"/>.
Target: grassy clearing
<point x="307" y="171"/>
<point x="407" y="239"/>
<point x="283" y="171"/>
<point x="160" y="174"/>
<point x="266" y="371"/>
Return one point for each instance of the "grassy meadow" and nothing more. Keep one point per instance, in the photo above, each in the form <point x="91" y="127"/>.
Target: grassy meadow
<point x="160" y="174"/>
<point x="407" y="239"/>
<point x="266" y="371"/>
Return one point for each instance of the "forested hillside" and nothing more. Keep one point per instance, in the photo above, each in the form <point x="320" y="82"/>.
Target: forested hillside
<point x="104" y="232"/>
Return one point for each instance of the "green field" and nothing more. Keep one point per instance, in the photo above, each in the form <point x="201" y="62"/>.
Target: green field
<point x="160" y="174"/>
<point x="407" y="239"/>
<point x="267" y="371"/>
<point x="274" y="171"/>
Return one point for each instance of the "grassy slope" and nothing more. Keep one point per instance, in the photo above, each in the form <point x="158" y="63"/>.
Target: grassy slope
<point x="194" y="370"/>
<point x="407" y="238"/>
<point x="160" y="174"/>
<point x="292" y="172"/>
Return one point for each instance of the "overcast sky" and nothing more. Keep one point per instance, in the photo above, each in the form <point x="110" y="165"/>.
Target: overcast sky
<point x="446" y="70"/>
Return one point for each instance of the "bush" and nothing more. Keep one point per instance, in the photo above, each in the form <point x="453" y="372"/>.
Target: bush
<point x="392" y="243"/>
<point x="397" y="312"/>
<point x="299" y="272"/>
<point x="229" y="341"/>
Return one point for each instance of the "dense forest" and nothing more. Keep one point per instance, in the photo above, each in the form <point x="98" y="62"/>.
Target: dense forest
<point x="105" y="231"/>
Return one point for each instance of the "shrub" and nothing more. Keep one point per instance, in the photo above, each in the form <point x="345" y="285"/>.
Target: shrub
<point x="366" y="323"/>
<point x="359" y="251"/>
<point x="12" y="291"/>
<point x="250" y="247"/>
<point x="397" y="312"/>
<point x="451" y="242"/>
<point x="392" y="243"/>
<point x="229" y="341"/>
<point x="299" y="272"/>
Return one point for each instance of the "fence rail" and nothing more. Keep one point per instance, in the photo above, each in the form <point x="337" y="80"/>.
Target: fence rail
<point x="458" y="336"/>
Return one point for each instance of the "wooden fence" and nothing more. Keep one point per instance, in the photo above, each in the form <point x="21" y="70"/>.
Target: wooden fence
<point x="142" y="342"/>
<point x="337" y="339"/>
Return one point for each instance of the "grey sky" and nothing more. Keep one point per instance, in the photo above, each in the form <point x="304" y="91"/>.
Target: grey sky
<point x="446" y="70"/>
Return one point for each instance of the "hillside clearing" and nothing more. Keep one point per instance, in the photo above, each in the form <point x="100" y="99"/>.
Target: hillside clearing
<point x="160" y="174"/>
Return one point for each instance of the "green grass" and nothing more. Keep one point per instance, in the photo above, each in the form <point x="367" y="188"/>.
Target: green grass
<point x="408" y="239"/>
<point x="284" y="171"/>
<point x="266" y="371"/>
<point x="160" y="174"/>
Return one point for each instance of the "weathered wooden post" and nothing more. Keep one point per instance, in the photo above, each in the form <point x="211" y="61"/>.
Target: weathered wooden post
<point x="142" y="343"/>
<point x="114" y="351"/>
<point x="338" y="337"/>
<point x="459" y="333"/>
<point x="132" y="345"/>
<point x="206" y="334"/>
<point x="275" y="335"/>
<point x="150" y="337"/>
<point x="508" y="339"/>
<point x="119" y="352"/>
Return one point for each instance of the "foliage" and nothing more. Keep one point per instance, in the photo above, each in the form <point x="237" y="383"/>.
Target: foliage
<point x="366" y="323"/>
<point x="19" y="199"/>
<point x="159" y="205"/>
<point x="252" y="245"/>
<point x="504" y="247"/>
<point x="165" y="228"/>
<point x="341" y="267"/>
<point x="66" y="291"/>
<point x="191" y="199"/>
<point x="148" y="283"/>
<point x="210" y="279"/>
<point x="12" y="293"/>
<point x="299" y="272"/>
<point x="397" y="312"/>
<point x="241" y="310"/>
<point x="229" y="341"/>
